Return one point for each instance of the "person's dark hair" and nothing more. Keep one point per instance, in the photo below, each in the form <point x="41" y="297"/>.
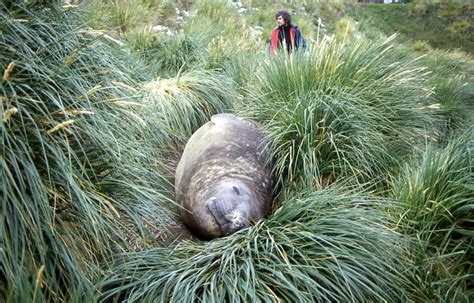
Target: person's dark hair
<point x="285" y="15"/>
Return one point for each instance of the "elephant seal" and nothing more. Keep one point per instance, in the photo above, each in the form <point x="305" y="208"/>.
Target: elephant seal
<point x="224" y="177"/>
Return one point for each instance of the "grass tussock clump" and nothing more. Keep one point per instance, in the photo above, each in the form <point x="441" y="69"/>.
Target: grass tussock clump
<point x="167" y="55"/>
<point x="442" y="24"/>
<point x="187" y="101"/>
<point x="436" y="207"/>
<point x="340" y="109"/>
<point x="453" y="98"/>
<point x="324" y="246"/>
<point x="125" y="16"/>
<point x="221" y="34"/>
<point x="77" y="157"/>
<point x="451" y="89"/>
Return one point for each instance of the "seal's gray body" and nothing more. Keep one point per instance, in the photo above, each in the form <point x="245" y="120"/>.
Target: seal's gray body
<point x="223" y="180"/>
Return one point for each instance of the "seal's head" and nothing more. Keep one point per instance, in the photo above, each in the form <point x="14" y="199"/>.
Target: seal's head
<point x="233" y="206"/>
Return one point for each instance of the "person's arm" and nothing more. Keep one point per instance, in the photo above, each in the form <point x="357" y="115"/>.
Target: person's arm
<point x="299" y="40"/>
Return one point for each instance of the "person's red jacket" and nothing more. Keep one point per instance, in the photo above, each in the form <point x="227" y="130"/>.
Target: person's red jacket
<point x="295" y="37"/>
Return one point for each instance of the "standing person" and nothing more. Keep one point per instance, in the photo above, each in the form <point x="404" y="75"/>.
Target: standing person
<point x="286" y="35"/>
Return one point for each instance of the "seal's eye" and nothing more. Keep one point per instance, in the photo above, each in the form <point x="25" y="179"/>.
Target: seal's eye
<point x="236" y="190"/>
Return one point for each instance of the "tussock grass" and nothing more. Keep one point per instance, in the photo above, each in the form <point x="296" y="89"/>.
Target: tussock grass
<point x="456" y="109"/>
<point x="451" y="88"/>
<point x="212" y="19"/>
<point x="241" y="70"/>
<point x="171" y="55"/>
<point x="329" y="245"/>
<point x="212" y="36"/>
<point x="430" y="21"/>
<point x="341" y="109"/>
<point x="345" y="27"/>
<point x="221" y="11"/>
<point x="127" y="15"/>
<point x="222" y="52"/>
<point x="220" y="33"/>
<point x="436" y="207"/>
<point x="89" y="145"/>
<point x="78" y="160"/>
<point x="263" y="17"/>
<point x="420" y="46"/>
<point x="187" y="101"/>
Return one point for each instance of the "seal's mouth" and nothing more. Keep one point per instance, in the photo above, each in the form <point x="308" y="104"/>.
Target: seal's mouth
<point x="229" y="218"/>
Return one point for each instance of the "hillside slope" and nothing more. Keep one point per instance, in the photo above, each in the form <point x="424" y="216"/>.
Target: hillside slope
<point x="440" y="26"/>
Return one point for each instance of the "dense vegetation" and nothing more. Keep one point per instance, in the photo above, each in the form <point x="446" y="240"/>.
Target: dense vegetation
<point x="373" y="139"/>
<point x="444" y="25"/>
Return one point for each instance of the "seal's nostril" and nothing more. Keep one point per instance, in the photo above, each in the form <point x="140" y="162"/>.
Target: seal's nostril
<point x="236" y="190"/>
<point x="218" y="212"/>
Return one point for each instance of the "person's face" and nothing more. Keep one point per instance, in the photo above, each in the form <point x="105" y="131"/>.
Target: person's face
<point x="280" y="21"/>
